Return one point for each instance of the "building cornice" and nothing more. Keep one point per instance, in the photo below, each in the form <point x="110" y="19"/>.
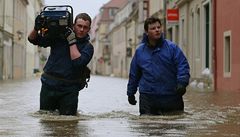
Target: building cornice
<point x="179" y="3"/>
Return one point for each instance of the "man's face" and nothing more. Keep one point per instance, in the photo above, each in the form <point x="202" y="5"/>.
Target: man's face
<point x="154" y="31"/>
<point x="81" y="28"/>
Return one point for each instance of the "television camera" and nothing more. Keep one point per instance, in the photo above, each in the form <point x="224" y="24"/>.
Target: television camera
<point x="54" y="21"/>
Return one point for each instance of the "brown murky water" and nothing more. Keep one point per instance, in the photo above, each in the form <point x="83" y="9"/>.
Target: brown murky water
<point x="105" y="112"/>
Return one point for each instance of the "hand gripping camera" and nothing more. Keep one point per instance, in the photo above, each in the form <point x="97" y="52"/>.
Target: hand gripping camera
<point x="54" y="21"/>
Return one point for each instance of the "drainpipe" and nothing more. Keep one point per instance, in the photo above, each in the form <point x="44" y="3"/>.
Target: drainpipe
<point x="2" y="45"/>
<point x="164" y="18"/>
<point x="13" y="39"/>
<point x="214" y="43"/>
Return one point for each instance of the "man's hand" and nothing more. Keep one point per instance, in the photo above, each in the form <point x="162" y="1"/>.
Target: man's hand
<point x="131" y="100"/>
<point x="71" y="37"/>
<point x="38" y="23"/>
<point x="181" y="89"/>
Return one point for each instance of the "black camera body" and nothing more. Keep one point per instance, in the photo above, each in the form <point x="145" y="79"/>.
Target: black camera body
<point x="55" y="20"/>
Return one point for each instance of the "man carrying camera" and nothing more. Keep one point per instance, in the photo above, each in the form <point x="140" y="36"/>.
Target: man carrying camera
<point x="63" y="75"/>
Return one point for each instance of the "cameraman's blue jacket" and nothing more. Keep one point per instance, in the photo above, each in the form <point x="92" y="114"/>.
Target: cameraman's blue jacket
<point x="60" y="65"/>
<point x="157" y="71"/>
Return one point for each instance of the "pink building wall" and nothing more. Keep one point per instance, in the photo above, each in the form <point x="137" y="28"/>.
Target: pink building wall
<point x="228" y="19"/>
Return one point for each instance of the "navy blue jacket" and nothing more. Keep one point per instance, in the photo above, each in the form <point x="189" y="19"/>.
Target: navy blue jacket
<point x="60" y="65"/>
<point x="158" y="70"/>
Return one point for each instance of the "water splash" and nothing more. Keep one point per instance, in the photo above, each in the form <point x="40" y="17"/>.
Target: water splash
<point x="54" y="116"/>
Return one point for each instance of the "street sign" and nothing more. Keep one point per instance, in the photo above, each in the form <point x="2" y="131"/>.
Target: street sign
<point x="172" y="15"/>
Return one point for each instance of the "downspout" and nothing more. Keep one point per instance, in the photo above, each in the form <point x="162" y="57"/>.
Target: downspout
<point x="214" y="43"/>
<point x="13" y="41"/>
<point x="2" y="44"/>
<point x="165" y="18"/>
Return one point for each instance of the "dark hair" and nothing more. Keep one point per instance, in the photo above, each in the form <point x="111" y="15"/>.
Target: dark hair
<point x="83" y="16"/>
<point x="151" y="20"/>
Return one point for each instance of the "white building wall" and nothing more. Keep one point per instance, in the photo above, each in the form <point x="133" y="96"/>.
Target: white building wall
<point x="8" y="16"/>
<point x="32" y="51"/>
<point x="118" y="29"/>
<point x="192" y="33"/>
<point x="155" y="6"/>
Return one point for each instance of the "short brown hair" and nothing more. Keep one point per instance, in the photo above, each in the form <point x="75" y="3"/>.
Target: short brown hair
<point x="151" y="20"/>
<point x="83" y="16"/>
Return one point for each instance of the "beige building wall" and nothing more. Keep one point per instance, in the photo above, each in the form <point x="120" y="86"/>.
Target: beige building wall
<point x="32" y="52"/>
<point x="1" y="13"/>
<point x="195" y="38"/>
<point x="155" y="6"/>
<point x="99" y="49"/>
<point x="7" y="40"/>
<point x="17" y="17"/>
<point x="122" y="30"/>
<point x="131" y="40"/>
<point x="8" y="16"/>
<point x="19" y="33"/>
<point x="200" y="49"/>
<point x="1" y="36"/>
<point x="119" y="51"/>
<point x="94" y="40"/>
<point x="192" y="34"/>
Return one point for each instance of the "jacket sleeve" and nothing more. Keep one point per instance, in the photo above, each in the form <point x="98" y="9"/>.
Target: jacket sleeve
<point x="86" y="56"/>
<point x="134" y="76"/>
<point x="183" y="69"/>
<point x="40" y="41"/>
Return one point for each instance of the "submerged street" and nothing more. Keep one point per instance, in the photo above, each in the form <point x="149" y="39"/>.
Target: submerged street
<point x="104" y="112"/>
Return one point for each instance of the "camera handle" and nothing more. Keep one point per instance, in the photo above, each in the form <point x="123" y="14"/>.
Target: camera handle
<point x="52" y="8"/>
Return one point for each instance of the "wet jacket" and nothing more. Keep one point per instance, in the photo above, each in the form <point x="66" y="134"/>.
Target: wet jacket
<point x="158" y="70"/>
<point x="60" y="66"/>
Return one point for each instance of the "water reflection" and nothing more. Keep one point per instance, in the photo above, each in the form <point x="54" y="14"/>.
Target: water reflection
<point x="104" y="111"/>
<point x="62" y="128"/>
<point x="160" y="125"/>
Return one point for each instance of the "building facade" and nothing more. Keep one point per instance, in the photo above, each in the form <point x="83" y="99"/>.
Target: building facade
<point x="16" y="21"/>
<point x="206" y="34"/>
<point x="6" y="36"/>
<point x="193" y="33"/>
<point x="119" y="30"/>
<point x="101" y="62"/>
<point x="19" y="38"/>
<point x="227" y="43"/>
<point x="34" y="55"/>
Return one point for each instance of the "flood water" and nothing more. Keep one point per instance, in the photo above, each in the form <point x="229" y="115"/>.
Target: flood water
<point x="103" y="111"/>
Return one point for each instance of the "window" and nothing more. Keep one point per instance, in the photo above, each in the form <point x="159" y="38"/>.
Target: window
<point x="227" y="54"/>
<point x="207" y="35"/>
<point x="177" y="35"/>
<point x="169" y="34"/>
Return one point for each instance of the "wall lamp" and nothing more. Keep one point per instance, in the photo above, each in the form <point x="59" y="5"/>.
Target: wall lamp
<point x="20" y="34"/>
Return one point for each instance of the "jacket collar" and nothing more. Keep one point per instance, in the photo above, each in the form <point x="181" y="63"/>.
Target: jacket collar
<point x="145" y="40"/>
<point x="84" y="39"/>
